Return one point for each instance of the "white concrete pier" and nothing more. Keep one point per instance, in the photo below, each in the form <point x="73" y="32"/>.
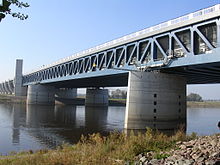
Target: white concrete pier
<point x="155" y="100"/>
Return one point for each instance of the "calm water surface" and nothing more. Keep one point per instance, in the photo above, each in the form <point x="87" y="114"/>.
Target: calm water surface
<point x="35" y="127"/>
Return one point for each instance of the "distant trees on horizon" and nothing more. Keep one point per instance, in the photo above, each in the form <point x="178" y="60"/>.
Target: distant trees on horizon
<point x="118" y="94"/>
<point x="194" y="97"/>
<point x="122" y="94"/>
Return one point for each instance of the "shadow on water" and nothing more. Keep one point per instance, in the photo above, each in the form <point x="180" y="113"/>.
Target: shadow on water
<point x="54" y="125"/>
<point x="96" y="119"/>
<point x="51" y="126"/>
<point x="35" y="127"/>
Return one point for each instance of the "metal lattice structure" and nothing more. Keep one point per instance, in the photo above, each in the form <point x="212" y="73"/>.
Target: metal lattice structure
<point x="7" y="87"/>
<point x="153" y="52"/>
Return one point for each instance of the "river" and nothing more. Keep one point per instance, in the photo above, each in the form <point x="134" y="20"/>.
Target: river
<point x="38" y="127"/>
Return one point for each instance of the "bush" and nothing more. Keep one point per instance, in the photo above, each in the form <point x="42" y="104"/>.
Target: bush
<point x="194" y="97"/>
<point x="117" y="148"/>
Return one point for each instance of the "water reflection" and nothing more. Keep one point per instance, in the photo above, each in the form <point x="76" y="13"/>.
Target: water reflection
<point x="16" y="124"/>
<point x="38" y="115"/>
<point x="35" y="127"/>
<point x="47" y="123"/>
<point x="96" y="118"/>
<point x="65" y="115"/>
<point x="54" y="125"/>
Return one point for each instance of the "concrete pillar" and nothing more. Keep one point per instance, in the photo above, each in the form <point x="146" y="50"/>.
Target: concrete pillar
<point x="19" y="89"/>
<point x="96" y="97"/>
<point x="41" y="94"/>
<point x="155" y="100"/>
<point x="66" y="93"/>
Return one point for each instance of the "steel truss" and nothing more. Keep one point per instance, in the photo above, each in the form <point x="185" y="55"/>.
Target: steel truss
<point x="7" y="87"/>
<point x="151" y="53"/>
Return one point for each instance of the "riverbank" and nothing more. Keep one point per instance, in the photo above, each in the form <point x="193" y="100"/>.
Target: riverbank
<point x="203" y="104"/>
<point x="13" y="99"/>
<point x="75" y="101"/>
<point x="112" y="102"/>
<point x="118" y="148"/>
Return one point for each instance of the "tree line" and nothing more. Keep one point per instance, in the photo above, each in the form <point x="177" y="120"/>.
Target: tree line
<point x="122" y="94"/>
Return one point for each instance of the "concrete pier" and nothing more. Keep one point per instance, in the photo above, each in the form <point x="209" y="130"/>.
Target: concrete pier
<point x="41" y="94"/>
<point x="19" y="89"/>
<point x="96" y="97"/>
<point x="155" y="100"/>
<point x="66" y="93"/>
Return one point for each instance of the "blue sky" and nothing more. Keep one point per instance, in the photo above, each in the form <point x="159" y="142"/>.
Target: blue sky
<point x="57" y="30"/>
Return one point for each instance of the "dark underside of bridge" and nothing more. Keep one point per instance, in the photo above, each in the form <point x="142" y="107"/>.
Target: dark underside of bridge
<point x="195" y="74"/>
<point x="115" y="80"/>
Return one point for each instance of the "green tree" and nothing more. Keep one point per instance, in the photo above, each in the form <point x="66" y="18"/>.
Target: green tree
<point x="194" y="97"/>
<point x="5" y="9"/>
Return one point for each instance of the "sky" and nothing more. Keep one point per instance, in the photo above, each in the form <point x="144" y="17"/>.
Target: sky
<point x="58" y="29"/>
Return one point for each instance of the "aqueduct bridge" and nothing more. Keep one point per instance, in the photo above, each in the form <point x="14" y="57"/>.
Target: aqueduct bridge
<point x="155" y="63"/>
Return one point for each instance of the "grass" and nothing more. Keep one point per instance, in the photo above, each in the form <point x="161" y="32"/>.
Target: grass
<point x="117" y="148"/>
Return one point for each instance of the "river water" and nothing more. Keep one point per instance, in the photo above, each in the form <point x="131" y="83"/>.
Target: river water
<point x="37" y="127"/>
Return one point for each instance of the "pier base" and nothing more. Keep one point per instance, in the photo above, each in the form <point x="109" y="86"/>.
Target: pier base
<point x="155" y="100"/>
<point x="96" y="97"/>
<point x="41" y="94"/>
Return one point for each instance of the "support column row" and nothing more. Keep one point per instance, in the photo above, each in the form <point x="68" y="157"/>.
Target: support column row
<point x="44" y="94"/>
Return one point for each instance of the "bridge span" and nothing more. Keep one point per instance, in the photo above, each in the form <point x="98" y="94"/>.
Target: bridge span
<point x="155" y="63"/>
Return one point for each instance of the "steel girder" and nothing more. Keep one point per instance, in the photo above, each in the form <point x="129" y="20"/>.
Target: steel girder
<point x="150" y="53"/>
<point x="7" y="87"/>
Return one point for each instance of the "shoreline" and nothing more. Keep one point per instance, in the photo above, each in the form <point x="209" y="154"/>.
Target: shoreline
<point x="112" y="102"/>
<point x="118" y="148"/>
<point x="203" y="104"/>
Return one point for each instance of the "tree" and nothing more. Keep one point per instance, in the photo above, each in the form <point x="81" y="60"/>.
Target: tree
<point x="194" y="97"/>
<point x="5" y="9"/>
<point x="118" y="94"/>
